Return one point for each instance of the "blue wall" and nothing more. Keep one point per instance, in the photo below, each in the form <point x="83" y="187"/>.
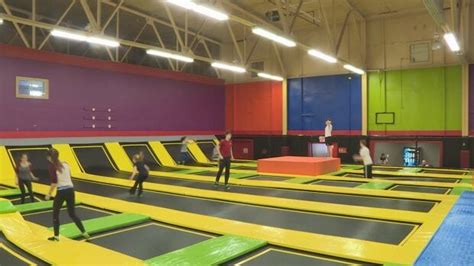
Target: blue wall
<point x="314" y="99"/>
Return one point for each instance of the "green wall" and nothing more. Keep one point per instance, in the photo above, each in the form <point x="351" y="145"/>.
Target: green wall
<point x="422" y="99"/>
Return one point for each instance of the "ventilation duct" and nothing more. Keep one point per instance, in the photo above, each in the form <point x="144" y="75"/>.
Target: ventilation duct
<point x="435" y="9"/>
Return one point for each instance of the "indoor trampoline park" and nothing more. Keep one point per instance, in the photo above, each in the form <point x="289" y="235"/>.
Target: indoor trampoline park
<point x="224" y="132"/>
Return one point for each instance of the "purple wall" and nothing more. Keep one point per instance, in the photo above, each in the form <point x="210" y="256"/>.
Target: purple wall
<point x="471" y="99"/>
<point x="138" y="103"/>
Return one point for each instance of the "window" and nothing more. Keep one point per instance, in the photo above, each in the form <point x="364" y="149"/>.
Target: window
<point x="420" y="52"/>
<point x="32" y="88"/>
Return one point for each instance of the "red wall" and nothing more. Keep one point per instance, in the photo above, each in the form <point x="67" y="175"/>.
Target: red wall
<point x="254" y="108"/>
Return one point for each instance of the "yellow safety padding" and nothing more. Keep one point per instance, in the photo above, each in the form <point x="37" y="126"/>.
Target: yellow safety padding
<point x="321" y="244"/>
<point x="119" y="156"/>
<point x="67" y="154"/>
<point x="160" y="151"/>
<point x="6" y="169"/>
<point x="197" y="153"/>
<point x="33" y="239"/>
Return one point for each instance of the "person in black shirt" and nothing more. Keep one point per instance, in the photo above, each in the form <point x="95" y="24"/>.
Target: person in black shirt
<point x="140" y="171"/>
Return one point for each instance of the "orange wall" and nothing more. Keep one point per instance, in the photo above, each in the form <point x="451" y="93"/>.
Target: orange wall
<point x="254" y="108"/>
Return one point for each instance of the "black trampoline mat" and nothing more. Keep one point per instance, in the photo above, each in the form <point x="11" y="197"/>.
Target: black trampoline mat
<point x="337" y="198"/>
<point x="17" y="200"/>
<point x="337" y="183"/>
<point x="364" y="229"/>
<point x="269" y="178"/>
<point x="207" y="147"/>
<point x="241" y="167"/>
<point x="408" y="178"/>
<point x="9" y="259"/>
<point x="442" y="172"/>
<point x="45" y="218"/>
<point x="420" y="189"/>
<point x="277" y="257"/>
<point x="148" y="241"/>
<point x="207" y="173"/>
<point x="387" y="169"/>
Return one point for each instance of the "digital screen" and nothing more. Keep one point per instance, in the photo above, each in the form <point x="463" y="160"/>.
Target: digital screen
<point x="411" y="156"/>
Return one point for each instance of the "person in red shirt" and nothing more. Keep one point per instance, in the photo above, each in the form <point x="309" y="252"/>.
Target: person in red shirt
<point x="224" y="149"/>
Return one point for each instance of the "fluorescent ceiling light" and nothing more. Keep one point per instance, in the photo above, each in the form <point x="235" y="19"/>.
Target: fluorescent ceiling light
<point x="1" y="21"/>
<point x="322" y="56"/>
<point x="273" y="37"/>
<point x="36" y="93"/>
<point x="204" y="10"/>
<point x="102" y="41"/>
<point x="452" y="42"/>
<point x="268" y="76"/>
<point x="354" y="69"/>
<point x="228" y="67"/>
<point x="170" y="55"/>
<point x="84" y="38"/>
<point x="68" y="35"/>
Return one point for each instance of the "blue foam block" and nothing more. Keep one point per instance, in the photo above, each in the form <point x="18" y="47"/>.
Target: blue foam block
<point x="453" y="243"/>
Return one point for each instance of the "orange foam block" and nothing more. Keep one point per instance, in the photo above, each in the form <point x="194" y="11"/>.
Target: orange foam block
<point x="299" y="165"/>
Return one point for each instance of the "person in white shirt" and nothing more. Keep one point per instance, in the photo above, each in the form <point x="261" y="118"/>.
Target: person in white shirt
<point x="328" y="136"/>
<point x="364" y="156"/>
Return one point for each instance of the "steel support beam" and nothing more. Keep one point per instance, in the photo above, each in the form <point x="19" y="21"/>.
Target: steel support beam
<point x="160" y="40"/>
<point x="15" y="24"/>
<point x="234" y="41"/>
<point x="116" y="10"/>
<point x="73" y="2"/>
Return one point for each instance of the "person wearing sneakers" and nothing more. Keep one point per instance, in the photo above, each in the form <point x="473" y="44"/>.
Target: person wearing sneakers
<point x="60" y="174"/>
<point x="364" y="156"/>
<point x="224" y="149"/>
<point x="139" y="174"/>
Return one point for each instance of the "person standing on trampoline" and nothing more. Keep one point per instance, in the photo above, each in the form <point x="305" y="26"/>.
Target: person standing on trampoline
<point x="364" y="156"/>
<point x="140" y="171"/>
<point x="224" y="149"/>
<point x="60" y="174"/>
<point x="25" y="177"/>
<point x="184" y="150"/>
<point x="328" y="137"/>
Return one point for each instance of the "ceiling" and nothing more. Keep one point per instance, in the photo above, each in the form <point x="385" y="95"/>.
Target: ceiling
<point x="313" y="13"/>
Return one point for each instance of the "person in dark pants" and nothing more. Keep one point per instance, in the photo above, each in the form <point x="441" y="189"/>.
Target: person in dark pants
<point x="140" y="171"/>
<point x="60" y="174"/>
<point x="224" y="148"/>
<point x="364" y="156"/>
<point x="185" y="157"/>
<point x="25" y="177"/>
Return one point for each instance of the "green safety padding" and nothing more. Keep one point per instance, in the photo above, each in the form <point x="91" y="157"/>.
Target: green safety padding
<point x="210" y="252"/>
<point x="410" y="170"/>
<point x="351" y="167"/>
<point x="459" y="190"/>
<point x="467" y="181"/>
<point x="37" y="206"/>
<point x="102" y="224"/>
<point x="299" y="180"/>
<point x="375" y="185"/>
<point x="240" y="176"/>
<point x="337" y="173"/>
<point x="188" y="171"/>
<point x="9" y="192"/>
<point x="6" y="207"/>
